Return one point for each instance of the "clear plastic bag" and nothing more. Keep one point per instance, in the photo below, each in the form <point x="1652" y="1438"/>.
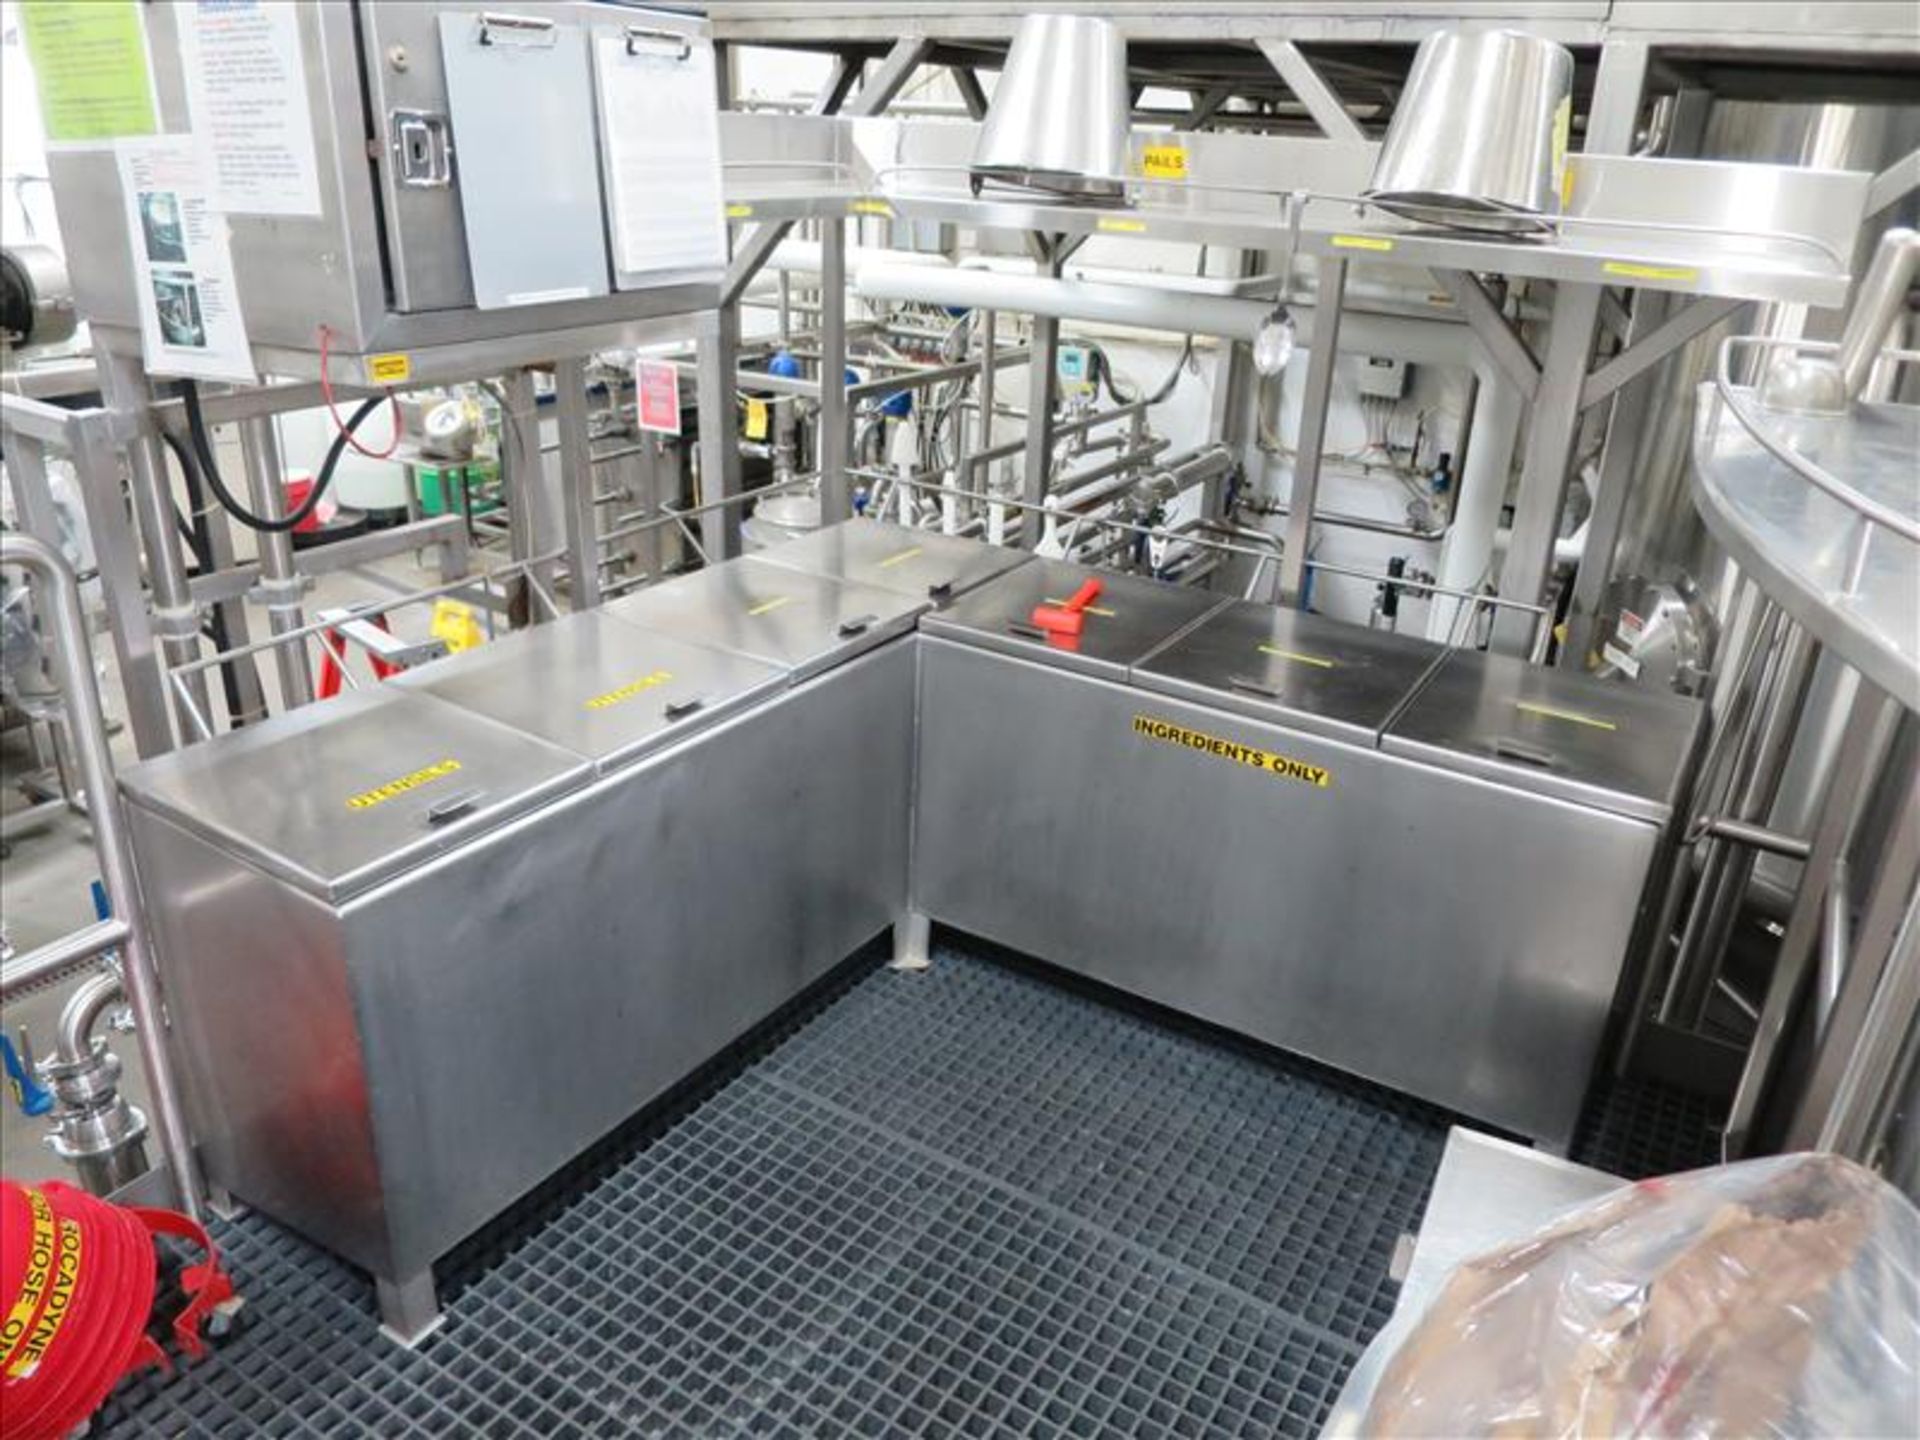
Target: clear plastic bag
<point x="1769" y="1297"/>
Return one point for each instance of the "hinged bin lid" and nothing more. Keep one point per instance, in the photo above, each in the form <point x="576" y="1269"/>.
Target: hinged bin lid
<point x="1293" y="668"/>
<point x="608" y="691"/>
<point x="339" y="796"/>
<point x="1615" y="747"/>
<point x="1129" y="619"/>
<point x="804" y="623"/>
<point x="923" y="564"/>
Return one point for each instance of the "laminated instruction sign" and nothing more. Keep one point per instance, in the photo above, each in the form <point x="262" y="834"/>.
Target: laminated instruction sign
<point x="90" y="64"/>
<point x="183" y="264"/>
<point x="247" y="94"/>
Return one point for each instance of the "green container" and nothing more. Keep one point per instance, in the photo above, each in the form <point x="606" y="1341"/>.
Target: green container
<point x="438" y="487"/>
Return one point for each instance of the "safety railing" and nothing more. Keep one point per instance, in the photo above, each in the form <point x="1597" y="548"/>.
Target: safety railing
<point x="71" y="657"/>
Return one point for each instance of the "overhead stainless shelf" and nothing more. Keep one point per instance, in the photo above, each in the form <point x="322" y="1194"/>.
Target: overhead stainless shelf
<point x="1824" y="513"/>
<point x="1748" y="232"/>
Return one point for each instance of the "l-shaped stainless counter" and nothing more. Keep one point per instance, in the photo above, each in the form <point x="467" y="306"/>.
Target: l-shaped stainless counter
<point x="426" y="942"/>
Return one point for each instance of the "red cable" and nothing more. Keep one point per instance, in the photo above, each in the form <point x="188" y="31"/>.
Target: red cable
<point x="326" y="391"/>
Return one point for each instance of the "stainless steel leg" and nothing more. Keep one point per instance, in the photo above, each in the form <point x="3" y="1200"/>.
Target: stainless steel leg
<point x="1042" y="392"/>
<point x="912" y="940"/>
<point x="526" y="480"/>
<point x="409" y="1309"/>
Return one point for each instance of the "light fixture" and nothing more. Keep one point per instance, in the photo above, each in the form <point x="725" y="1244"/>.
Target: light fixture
<point x="1273" y="342"/>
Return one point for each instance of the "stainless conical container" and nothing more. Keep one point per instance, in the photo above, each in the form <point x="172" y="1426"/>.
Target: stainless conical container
<point x="1479" y="138"/>
<point x="1059" y="119"/>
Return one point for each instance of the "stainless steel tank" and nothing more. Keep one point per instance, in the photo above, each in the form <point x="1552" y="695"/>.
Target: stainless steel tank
<point x="1479" y="138"/>
<point x="1060" y="114"/>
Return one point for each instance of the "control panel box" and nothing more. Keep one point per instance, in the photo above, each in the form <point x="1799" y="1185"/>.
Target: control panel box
<point x="479" y="172"/>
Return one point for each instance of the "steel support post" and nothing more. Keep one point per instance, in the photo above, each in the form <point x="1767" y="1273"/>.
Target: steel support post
<point x="1862" y="753"/>
<point x="526" y="480"/>
<point x="834" y="420"/>
<point x="175" y="622"/>
<point x="718" y="344"/>
<point x="576" y="483"/>
<point x="281" y="585"/>
<point x="1555" y="420"/>
<point x="1043" y="389"/>
<point x="1329" y="297"/>
<point x="1854" y="1062"/>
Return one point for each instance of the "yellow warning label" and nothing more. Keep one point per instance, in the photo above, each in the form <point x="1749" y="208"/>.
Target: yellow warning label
<point x="739" y="212"/>
<point x="1362" y="242"/>
<point x="66" y="1275"/>
<point x="1164" y="162"/>
<point x="426" y="775"/>
<point x="389" y="369"/>
<point x="872" y="207"/>
<point x="1279" y="766"/>
<point x="1629" y="270"/>
<point x="769" y="605"/>
<point x="756" y="426"/>
<point x="629" y="690"/>
<point x="902" y="557"/>
<point x="1115" y="226"/>
<point x="33" y="1285"/>
<point x="1554" y="712"/>
<point x="1297" y="657"/>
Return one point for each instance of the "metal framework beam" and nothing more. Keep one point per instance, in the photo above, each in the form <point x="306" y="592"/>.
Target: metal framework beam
<point x="1493" y="330"/>
<point x="1326" y="108"/>
<point x="576" y="482"/>
<point x="1642" y="354"/>
<point x="1896" y="182"/>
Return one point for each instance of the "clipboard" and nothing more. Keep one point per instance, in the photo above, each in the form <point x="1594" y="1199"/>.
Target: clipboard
<point x="519" y="96"/>
<point x="659" y="119"/>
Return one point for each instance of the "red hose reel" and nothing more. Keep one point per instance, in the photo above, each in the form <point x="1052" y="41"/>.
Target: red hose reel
<point x="77" y="1280"/>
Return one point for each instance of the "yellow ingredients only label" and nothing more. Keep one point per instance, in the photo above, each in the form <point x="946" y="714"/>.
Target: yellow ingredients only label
<point x="1164" y="162"/>
<point x="1281" y="767"/>
<point x="380" y="794"/>
<point x="872" y="207"/>
<point x="767" y="607"/>
<point x="1114" y="226"/>
<point x="739" y="212"/>
<point x="1378" y="243"/>
<point x="756" y="422"/>
<point x="901" y="557"/>
<point x="629" y="690"/>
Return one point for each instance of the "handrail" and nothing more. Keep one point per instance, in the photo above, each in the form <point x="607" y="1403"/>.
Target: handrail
<point x="1737" y="399"/>
<point x="72" y="662"/>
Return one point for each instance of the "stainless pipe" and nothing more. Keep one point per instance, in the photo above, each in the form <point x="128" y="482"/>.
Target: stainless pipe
<point x="1882" y="295"/>
<point x="73" y="1039"/>
<point x="73" y="667"/>
<point x="56" y="957"/>
<point x="1756" y="837"/>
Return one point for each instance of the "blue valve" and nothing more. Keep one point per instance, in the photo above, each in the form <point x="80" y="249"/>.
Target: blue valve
<point x="28" y="1093"/>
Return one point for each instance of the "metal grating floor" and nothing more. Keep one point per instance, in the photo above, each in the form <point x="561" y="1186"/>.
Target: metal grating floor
<point x="964" y="1202"/>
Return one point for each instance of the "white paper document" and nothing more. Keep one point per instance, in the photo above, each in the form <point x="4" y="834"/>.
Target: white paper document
<point x="247" y="94"/>
<point x="662" y="139"/>
<point x="183" y="263"/>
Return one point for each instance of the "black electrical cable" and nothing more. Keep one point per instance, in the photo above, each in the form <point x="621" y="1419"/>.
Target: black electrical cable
<point x="200" y="541"/>
<point x="203" y="448"/>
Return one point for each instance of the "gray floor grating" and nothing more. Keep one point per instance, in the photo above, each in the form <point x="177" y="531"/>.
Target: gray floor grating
<point x="963" y="1203"/>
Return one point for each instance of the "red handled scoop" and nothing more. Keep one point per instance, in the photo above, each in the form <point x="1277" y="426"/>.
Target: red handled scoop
<point x="1070" y="617"/>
